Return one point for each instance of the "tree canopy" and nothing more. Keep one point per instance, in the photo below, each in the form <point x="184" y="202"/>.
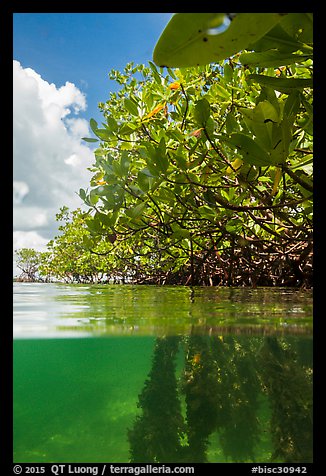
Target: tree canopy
<point x="203" y="174"/>
<point x="28" y="261"/>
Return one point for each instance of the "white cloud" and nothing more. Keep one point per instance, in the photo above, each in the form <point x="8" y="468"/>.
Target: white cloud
<point x="29" y="239"/>
<point x="20" y="190"/>
<point x="50" y="159"/>
<point x="29" y="218"/>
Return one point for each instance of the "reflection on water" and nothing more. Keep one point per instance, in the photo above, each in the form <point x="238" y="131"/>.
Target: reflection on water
<point x="244" y="390"/>
<point x="60" y="310"/>
<point x="161" y="374"/>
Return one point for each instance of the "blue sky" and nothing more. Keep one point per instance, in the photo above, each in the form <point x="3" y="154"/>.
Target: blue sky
<point x="61" y="63"/>
<point x="83" y="47"/>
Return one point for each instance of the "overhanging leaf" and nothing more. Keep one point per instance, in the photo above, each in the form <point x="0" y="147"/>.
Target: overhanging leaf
<point x="291" y="34"/>
<point x="193" y="39"/>
<point x="299" y="26"/>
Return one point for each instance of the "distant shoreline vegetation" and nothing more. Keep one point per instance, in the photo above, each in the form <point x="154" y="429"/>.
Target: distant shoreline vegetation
<point x="73" y="264"/>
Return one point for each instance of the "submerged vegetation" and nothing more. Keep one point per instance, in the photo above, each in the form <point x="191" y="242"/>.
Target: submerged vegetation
<point x="164" y="399"/>
<point x="202" y="174"/>
<point x="234" y="388"/>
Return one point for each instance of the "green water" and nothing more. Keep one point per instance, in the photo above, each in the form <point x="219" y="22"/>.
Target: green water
<point x="161" y="374"/>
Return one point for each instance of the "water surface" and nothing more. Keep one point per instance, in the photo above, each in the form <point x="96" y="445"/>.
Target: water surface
<point x="60" y="310"/>
<point x="161" y="374"/>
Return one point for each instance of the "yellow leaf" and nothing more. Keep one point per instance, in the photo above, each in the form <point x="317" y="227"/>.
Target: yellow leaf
<point x="154" y="111"/>
<point x="175" y="85"/>
<point x="279" y="70"/>
<point x="277" y="178"/>
<point x="101" y="182"/>
<point x="236" y="164"/>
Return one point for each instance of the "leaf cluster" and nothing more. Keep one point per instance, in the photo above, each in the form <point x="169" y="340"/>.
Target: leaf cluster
<point x="199" y="168"/>
<point x="192" y="160"/>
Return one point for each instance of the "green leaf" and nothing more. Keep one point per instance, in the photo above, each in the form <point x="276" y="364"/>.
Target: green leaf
<point x="210" y="126"/>
<point x="281" y="139"/>
<point x="218" y="90"/>
<point x="82" y="193"/>
<point x="137" y="192"/>
<point x="162" y="146"/>
<point x="103" y="134"/>
<point x="93" y="197"/>
<point x="156" y="75"/>
<point x="111" y="197"/>
<point x="112" y="123"/>
<point x="106" y="220"/>
<point x="157" y="160"/>
<point x="289" y="35"/>
<point x="231" y="124"/>
<point x="292" y="104"/>
<point x="131" y="107"/>
<point x="271" y="58"/>
<point x="193" y="39"/>
<point x="202" y="111"/>
<point x="87" y="242"/>
<point x="94" y="225"/>
<point x="228" y="72"/>
<point x="234" y="226"/>
<point x="93" y="125"/>
<point x="299" y="26"/>
<point x="144" y="180"/>
<point x="124" y="162"/>
<point x="268" y="94"/>
<point x="136" y="211"/>
<point x="265" y="112"/>
<point x="286" y="85"/>
<point x="179" y="232"/>
<point x="250" y="151"/>
<point x="181" y="162"/>
<point x="126" y="146"/>
<point x="89" y="139"/>
<point x="261" y="121"/>
<point x="127" y="128"/>
<point x="207" y="212"/>
<point x="306" y="123"/>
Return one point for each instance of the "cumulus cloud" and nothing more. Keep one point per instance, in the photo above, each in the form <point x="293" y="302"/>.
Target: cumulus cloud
<point x="50" y="159"/>
<point x="29" y="239"/>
